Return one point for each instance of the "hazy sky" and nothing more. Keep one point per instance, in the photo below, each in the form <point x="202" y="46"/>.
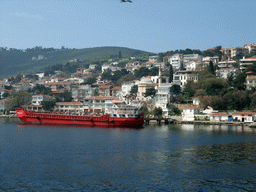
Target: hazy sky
<point x="149" y="25"/>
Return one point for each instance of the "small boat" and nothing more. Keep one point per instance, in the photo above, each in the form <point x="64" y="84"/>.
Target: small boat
<point x="118" y="118"/>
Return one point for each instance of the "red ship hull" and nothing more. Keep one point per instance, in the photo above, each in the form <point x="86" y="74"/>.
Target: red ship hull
<point x="102" y="121"/>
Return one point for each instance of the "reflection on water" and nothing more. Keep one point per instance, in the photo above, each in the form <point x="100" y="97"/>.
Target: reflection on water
<point x="156" y="158"/>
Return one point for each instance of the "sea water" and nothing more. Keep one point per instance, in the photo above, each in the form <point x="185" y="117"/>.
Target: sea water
<point x="154" y="158"/>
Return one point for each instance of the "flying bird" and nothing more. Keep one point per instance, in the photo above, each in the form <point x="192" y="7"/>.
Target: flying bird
<point x="124" y="1"/>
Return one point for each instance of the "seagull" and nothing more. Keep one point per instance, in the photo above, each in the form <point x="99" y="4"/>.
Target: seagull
<point x="123" y="1"/>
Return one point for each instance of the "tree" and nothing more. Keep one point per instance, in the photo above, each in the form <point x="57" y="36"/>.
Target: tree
<point x="239" y="81"/>
<point x="143" y="71"/>
<point x="107" y="75"/>
<point x="170" y="74"/>
<point x="157" y="112"/>
<point x="174" y="110"/>
<point x="230" y="79"/>
<point x="211" y="68"/>
<point x="65" y="97"/>
<point x="175" y="89"/>
<point x="19" y="98"/>
<point x="41" y="89"/>
<point x="236" y="100"/>
<point x="150" y="92"/>
<point x="119" y="55"/>
<point x="48" y="105"/>
<point x="90" y="80"/>
<point x="134" y="90"/>
<point x="188" y="91"/>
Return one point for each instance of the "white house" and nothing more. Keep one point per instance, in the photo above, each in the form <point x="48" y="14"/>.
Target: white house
<point x="244" y="116"/>
<point x="37" y="99"/>
<point x="220" y="117"/>
<point x="98" y="104"/>
<point x="246" y="61"/>
<point x="176" y="61"/>
<point x="69" y="107"/>
<point x="189" y="112"/>
<point x="81" y="92"/>
<point x="181" y="77"/>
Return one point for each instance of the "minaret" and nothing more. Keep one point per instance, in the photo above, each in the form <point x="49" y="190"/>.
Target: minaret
<point x="159" y="76"/>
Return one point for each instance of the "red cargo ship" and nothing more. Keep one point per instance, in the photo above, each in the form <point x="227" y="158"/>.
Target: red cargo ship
<point x="118" y="119"/>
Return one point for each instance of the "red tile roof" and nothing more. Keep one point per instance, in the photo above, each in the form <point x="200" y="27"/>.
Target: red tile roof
<point x="105" y="86"/>
<point x="116" y="88"/>
<point x="69" y="103"/>
<point x="102" y="97"/>
<point x="244" y="113"/>
<point x="221" y="114"/>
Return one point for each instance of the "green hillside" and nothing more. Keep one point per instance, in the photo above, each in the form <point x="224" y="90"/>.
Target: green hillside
<point x="15" y="61"/>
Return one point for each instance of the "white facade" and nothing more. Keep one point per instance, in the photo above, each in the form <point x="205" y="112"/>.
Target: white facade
<point x="181" y="77"/>
<point x="153" y="59"/>
<point x="81" y="92"/>
<point x="37" y="99"/>
<point x="189" y="113"/>
<point x="126" y="88"/>
<point x="74" y="80"/>
<point x="176" y="61"/>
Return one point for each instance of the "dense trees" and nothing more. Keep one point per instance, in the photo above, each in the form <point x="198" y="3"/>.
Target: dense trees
<point x="150" y="92"/>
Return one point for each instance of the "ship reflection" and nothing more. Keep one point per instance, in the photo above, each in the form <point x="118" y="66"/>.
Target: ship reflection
<point x="217" y="128"/>
<point x="26" y="125"/>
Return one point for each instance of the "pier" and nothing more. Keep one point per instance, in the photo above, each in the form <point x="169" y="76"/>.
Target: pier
<point x="159" y="120"/>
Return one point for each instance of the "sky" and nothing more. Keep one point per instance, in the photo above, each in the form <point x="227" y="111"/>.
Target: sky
<point x="148" y="25"/>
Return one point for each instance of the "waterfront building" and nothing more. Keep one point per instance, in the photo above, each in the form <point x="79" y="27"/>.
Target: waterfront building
<point x="189" y="112"/>
<point x="69" y="107"/>
<point x="220" y="117"/>
<point x="244" y="116"/>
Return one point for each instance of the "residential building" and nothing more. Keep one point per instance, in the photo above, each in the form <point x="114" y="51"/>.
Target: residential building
<point x="117" y="92"/>
<point x="69" y="107"/>
<point x="98" y="104"/>
<point x="105" y="90"/>
<point x="153" y="59"/>
<point x="126" y="88"/>
<point x="33" y="107"/>
<point x="162" y="97"/>
<point x="244" y="116"/>
<point x="37" y="99"/>
<point x="189" y="112"/>
<point x="176" y="61"/>
<point x="238" y="50"/>
<point x="2" y="92"/>
<point x="226" y="53"/>
<point x="246" y="61"/>
<point x="226" y="64"/>
<point x="21" y="86"/>
<point x="82" y="91"/>
<point x="74" y="80"/>
<point x="4" y="105"/>
<point x="144" y="84"/>
<point x="181" y="77"/>
<point x="189" y="57"/>
<point x="251" y="47"/>
<point x="2" y="86"/>
<point x="225" y="72"/>
<point x="250" y="81"/>
<point x="92" y="66"/>
<point x="220" y="117"/>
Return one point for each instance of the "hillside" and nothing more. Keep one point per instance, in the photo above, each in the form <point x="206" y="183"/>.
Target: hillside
<point x="15" y="61"/>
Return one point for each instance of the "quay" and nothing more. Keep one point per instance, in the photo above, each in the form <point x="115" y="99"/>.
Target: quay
<point x="158" y="121"/>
